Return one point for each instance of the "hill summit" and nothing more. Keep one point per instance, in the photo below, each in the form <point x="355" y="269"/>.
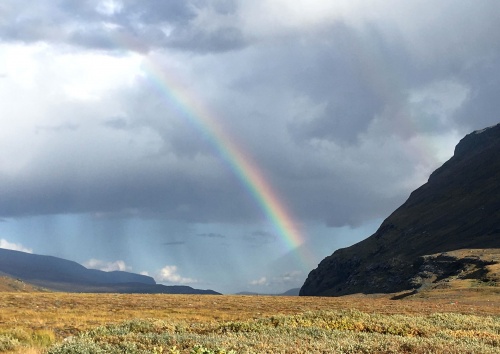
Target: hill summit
<point x="59" y="274"/>
<point x="457" y="209"/>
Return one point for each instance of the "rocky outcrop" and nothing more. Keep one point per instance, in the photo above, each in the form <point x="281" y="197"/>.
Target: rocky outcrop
<point x="437" y="270"/>
<point x="458" y="208"/>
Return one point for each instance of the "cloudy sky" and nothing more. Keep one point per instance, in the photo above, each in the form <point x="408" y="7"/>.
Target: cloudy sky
<point x="229" y="144"/>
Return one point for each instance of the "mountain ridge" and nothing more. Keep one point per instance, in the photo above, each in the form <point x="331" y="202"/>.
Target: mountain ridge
<point x="458" y="208"/>
<point x="30" y="266"/>
<point x="289" y="292"/>
<point x="64" y="275"/>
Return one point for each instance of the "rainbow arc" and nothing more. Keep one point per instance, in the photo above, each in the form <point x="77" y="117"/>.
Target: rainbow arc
<point x="239" y="162"/>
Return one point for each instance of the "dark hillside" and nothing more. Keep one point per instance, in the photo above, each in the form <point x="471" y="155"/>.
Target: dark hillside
<point x="62" y="275"/>
<point x="31" y="267"/>
<point x="458" y="208"/>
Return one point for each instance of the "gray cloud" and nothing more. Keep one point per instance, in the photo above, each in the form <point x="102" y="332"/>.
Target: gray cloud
<point x="57" y="128"/>
<point x="342" y="118"/>
<point x="259" y="238"/>
<point x="107" y="109"/>
<point x="174" y="243"/>
<point x="74" y="189"/>
<point x="116" y="123"/>
<point x="220" y="40"/>
<point x="482" y="108"/>
<point x="125" y="25"/>
<point x="212" y="235"/>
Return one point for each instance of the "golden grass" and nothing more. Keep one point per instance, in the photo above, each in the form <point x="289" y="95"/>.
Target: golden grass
<point x="65" y="314"/>
<point x="69" y="313"/>
<point x="8" y="284"/>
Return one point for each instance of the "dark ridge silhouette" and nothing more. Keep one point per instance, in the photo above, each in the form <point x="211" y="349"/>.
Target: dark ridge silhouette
<point x="458" y="208"/>
<point x="64" y="275"/>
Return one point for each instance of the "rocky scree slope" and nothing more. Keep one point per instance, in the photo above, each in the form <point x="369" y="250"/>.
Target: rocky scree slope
<point x="458" y="208"/>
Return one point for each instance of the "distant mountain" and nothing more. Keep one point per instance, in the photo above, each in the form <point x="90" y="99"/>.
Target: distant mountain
<point x="291" y="292"/>
<point x="32" y="267"/>
<point x="123" y="288"/>
<point x="64" y="275"/>
<point x="457" y="209"/>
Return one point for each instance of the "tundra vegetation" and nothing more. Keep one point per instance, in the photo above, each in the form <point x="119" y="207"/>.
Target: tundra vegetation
<point x="57" y="323"/>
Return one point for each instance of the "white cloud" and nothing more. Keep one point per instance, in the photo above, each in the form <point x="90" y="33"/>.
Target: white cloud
<point x="289" y="279"/>
<point x="107" y="266"/>
<point x="98" y="73"/>
<point x="292" y="276"/>
<point x="438" y="101"/>
<point x="261" y="281"/>
<point x="14" y="246"/>
<point x="109" y="7"/>
<point x="265" y="18"/>
<point x="170" y="274"/>
<point x="85" y="84"/>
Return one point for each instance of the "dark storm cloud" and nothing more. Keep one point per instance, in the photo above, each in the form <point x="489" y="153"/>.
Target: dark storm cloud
<point x="328" y="112"/>
<point x="220" y="40"/>
<point x="333" y="69"/>
<point x="461" y="42"/>
<point x="332" y="75"/>
<point x="354" y="79"/>
<point x="157" y="12"/>
<point x="80" y="177"/>
<point x="483" y="107"/>
<point x="134" y="25"/>
<point x="174" y="24"/>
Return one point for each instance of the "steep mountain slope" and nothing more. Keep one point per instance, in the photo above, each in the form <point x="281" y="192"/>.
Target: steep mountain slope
<point x="63" y="275"/>
<point x="458" y="208"/>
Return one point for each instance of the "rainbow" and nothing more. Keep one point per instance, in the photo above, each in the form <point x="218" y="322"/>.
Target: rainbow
<point x="240" y="162"/>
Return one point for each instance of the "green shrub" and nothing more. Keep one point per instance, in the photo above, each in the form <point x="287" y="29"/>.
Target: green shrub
<point x="43" y="338"/>
<point x="15" y="338"/>
<point x="83" y="345"/>
<point x="312" y="332"/>
<point x="8" y="343"/>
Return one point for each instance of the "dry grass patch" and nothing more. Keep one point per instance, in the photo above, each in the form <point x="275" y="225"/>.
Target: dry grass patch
<point x="218" y="321"/>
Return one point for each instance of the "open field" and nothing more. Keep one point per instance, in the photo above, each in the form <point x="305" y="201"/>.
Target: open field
<point x="33" y="320"/>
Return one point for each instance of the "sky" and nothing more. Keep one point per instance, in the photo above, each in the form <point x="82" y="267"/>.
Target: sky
<point x="228" y="144"/>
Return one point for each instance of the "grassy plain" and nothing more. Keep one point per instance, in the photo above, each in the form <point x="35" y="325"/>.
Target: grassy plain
<point x="461" y="319"/>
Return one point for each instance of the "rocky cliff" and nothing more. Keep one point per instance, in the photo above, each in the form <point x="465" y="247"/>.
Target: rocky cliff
<point x="458" y="208"/>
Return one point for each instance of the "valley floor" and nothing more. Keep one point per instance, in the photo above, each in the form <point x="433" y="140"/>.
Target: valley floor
<point x="43" y="318"/>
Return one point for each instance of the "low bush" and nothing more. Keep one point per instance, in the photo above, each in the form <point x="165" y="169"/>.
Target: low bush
<point x="18" y="338"/>
<point x="8" y="343"/>
<point x="345" y="331"/>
